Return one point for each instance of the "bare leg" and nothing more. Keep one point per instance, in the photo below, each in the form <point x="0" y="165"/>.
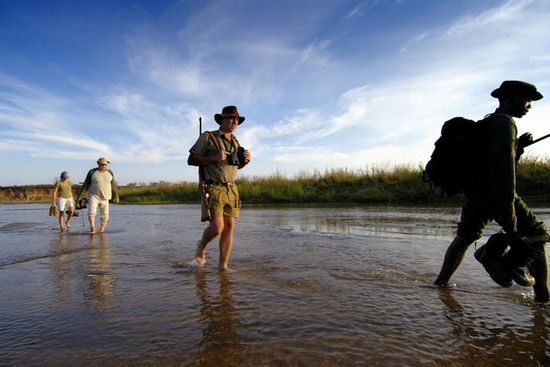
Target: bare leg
<point x="226" y="242"/>
<point x="103" y="224"/>
<point x="214" y="229"/>
<point x="539" y="270"/>
<point x="91" y="219"/>
<point x="453" y="259"/>
<point x="69" y="217"/>
<point x="61" y="226"/>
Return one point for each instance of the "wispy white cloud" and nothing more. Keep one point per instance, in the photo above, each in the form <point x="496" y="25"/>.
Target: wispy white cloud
<point x="309" y="101"/>
<point x="38" y="119"/>
<point x="496" y="17"/>
<point x="157" y="132"/>
<point x="356" y="11"/>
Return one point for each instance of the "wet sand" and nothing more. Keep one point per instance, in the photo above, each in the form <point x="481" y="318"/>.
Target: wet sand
<point x="309" y="286"/>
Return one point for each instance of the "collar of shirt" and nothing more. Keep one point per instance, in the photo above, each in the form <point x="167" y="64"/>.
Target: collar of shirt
<point x="229" y="144"/>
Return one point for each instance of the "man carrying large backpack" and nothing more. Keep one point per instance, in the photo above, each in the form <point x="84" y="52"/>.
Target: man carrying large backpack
<point x="491" y="195"/>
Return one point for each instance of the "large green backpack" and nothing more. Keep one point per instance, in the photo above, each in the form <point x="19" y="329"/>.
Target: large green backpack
<point x="450" y="165"/>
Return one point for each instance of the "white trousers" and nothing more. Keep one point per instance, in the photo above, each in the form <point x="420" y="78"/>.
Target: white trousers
<point x="94" y="202"/>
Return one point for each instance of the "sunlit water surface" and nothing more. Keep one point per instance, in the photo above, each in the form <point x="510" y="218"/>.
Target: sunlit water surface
<point x="309" y="286"/>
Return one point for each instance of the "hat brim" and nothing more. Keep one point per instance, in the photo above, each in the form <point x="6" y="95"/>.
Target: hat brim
<point x="218" y="118"/>
<point x="534" y="96"/>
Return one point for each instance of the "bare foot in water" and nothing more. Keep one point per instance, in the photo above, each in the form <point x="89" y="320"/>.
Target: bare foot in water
<point x="92" y="231"/>
<point x="225" y="270"/>
<point x="200" y="257"/>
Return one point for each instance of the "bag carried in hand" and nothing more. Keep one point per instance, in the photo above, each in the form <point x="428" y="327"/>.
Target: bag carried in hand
<point x="81" y="203"/>
<point x="53" y="211"/>
<point x="450" y="165"/>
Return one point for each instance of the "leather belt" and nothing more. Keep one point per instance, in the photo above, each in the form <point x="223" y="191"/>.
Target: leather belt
<point x="226" y="184"/>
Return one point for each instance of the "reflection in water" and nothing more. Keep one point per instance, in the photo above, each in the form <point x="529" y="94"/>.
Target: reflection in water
<point x="540" y="352"/>
<point x="369" y="223"/>
<point x="62" y="248"/>
<point x="220" y="341"/>
<point x="476" y="335"/>
<point x="463" y="327"/>
<point x="101" y="280"/>
<point x="331" y="294"/>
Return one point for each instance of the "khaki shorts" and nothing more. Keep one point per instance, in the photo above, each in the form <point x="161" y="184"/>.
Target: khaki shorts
<point x="223" y="200"/>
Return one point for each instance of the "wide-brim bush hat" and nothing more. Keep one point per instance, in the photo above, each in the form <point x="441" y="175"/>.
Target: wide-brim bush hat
<point x="228" y="111"/>
<point x="517" y="88"/>
<point x="103" y="160"/>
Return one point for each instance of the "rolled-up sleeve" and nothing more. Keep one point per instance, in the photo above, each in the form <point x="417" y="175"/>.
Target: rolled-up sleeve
<point x="201" y="145"/>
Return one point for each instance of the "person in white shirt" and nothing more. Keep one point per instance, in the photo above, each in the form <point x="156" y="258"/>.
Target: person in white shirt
<point x="100" y="187"/>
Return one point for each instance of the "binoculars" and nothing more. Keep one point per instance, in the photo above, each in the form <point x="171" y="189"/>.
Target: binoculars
<point x="236" y="158"/>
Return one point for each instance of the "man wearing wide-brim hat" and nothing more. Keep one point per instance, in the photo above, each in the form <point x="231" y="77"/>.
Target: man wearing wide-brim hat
<point x="100" y="187"/>
<point x="219" y="155"/>
<point x="491" y="195"/>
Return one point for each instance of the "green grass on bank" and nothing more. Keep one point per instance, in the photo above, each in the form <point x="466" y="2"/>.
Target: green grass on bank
<point x="402" y="184"/>
<point x="159" y="193"/>
<point x="399" y="185"/>
<point x="533" y="180"/>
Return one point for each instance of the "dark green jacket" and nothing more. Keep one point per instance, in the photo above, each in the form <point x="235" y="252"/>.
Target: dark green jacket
<point x="493" y="182"/>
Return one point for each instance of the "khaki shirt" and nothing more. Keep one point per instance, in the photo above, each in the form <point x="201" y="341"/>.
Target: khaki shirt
<point x="219" y="171"/>
<point x="64" y="189"/>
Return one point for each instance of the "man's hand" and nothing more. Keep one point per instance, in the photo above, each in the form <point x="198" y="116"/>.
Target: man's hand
<point x="523" y="141"/>
<point x="116" y="201"/>
<point x="247" y="157"/>
<point x="220" y="156"/>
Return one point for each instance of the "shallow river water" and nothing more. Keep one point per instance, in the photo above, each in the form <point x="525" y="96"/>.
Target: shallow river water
<point x="318" y="286"/>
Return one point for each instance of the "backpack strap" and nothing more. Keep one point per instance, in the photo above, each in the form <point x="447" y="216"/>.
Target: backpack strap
<point x="215" y="140"/>
<point x="236" y="141"/>
<point x="218" y="143"/>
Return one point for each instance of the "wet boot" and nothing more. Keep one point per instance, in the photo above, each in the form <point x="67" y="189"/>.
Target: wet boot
<point x="492" y="266"/>
<point x="517" y="260"/>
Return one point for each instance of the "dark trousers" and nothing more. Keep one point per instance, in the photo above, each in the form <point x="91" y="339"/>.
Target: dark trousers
<point x="475" y="217"/>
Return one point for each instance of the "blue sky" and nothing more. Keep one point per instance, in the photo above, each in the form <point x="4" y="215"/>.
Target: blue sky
<point x="323" y="84"/>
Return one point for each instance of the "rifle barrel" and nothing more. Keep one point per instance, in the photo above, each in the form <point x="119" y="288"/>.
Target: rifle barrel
<point x="539" y="139"/>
